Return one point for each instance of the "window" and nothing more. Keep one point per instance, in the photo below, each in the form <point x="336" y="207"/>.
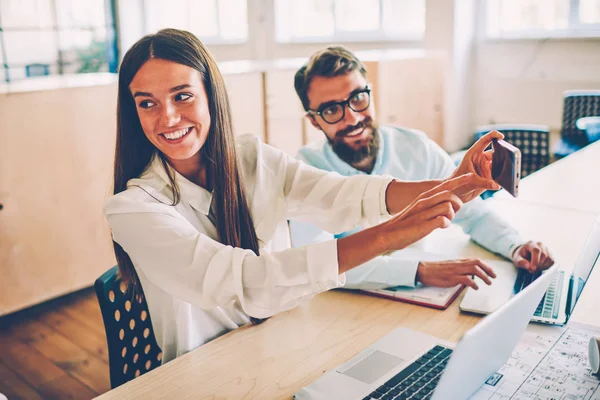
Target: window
<point x="45" y="37"/>
<point x="542" y="18"/>
<point x="349" y="20"/>
<point x="213" y="21"/>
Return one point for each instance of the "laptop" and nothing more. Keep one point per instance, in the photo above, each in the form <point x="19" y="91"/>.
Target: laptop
<point x="407" y="363"/>
<point x="559" y="301"/>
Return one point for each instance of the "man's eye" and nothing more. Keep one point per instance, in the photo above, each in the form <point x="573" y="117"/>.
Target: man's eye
<point x="359" y="97"/>
<point x="182" y="96"/>
<point x="330" y="110"/>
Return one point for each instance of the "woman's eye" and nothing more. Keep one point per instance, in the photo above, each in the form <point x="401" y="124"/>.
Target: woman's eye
<point x="182" y="96"/>
<point x="146" y="104"/>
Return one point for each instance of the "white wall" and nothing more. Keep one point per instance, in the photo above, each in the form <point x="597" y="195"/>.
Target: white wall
<point x="451" y="30"/>
<point x="522" y="81"/>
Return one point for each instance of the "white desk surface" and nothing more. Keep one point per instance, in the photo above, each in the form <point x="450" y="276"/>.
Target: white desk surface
<point x="570" y="183"/>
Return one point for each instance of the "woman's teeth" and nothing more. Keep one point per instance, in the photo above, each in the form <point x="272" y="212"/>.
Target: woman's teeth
<point x="176" y="134"/>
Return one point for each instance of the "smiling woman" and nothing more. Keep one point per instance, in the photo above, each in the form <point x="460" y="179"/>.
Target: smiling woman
<point x="176" y="120"/>
<point x="200" y="222"/>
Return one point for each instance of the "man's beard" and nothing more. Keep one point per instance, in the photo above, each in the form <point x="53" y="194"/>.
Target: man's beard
<point x="349" y="155"/>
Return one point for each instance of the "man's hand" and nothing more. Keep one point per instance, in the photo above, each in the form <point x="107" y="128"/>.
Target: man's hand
<point x="533" y="256"/>
<point x="453" y="272"/>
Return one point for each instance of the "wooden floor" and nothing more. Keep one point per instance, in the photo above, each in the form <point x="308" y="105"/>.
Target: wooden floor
<point x="56" y="350"/>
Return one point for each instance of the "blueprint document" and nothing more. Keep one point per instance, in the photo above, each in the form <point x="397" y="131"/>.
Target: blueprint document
<point x="548" y="363"/>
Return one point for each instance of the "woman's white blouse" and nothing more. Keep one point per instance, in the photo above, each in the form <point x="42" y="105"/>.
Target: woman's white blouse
<point x="198" y="288"/>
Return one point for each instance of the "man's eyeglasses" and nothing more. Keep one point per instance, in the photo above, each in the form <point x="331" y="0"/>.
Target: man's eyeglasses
<point x="334" y="112"/>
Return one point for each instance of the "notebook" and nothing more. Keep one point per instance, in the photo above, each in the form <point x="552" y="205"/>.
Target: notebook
<point x="427" y="296"/>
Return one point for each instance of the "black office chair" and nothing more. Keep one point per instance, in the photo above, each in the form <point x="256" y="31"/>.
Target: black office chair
<point x="132" y="347"/>
<point x="577" y="104"/>
<point x="532" y="140"/>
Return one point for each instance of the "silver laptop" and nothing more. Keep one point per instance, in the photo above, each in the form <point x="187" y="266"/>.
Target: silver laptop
<point x="406" y="363"/>
<point x="559" y="301"/>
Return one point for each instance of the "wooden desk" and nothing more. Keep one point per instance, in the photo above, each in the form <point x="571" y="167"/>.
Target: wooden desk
<point x="570" y="183"/>
<point x="275" y="359"/>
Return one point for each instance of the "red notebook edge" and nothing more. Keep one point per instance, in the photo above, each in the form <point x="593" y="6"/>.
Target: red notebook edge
<point x="419" y="303"/>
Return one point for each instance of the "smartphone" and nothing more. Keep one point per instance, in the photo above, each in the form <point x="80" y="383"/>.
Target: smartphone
<point x="506" y="166"/>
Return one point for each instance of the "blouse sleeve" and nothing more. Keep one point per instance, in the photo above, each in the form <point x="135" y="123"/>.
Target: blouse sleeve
<point x="189" y="265"/>
<point x="329" y="200"/>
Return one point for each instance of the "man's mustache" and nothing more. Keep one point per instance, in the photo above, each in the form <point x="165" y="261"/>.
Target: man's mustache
<point x="365" y="123"/>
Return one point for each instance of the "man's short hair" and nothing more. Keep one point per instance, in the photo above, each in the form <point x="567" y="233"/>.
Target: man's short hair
<point x="328" y="62"/>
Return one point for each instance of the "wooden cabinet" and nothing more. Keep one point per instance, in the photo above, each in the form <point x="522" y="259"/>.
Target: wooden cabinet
<point x="408" y="90"/>
<point x="56" y="162"/>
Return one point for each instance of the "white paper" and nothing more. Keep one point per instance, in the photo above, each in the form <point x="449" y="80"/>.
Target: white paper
<point x="548" y="363"/>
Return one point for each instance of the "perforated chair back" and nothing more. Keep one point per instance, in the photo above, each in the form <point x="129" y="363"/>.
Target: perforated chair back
<point x="532" y="140"/>
<point x="576" y="104"/>
<point x="132" y="347"/>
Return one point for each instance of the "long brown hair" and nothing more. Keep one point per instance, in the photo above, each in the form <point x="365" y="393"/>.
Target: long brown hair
<point x="134" y="151"/>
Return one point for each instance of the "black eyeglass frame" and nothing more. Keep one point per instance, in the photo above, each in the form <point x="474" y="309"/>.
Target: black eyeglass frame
<point x="343" y="104"/>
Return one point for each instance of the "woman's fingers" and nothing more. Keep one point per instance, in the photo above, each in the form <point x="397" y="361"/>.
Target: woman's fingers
<point x="481" y="183"/>
<point x="485" y="141"/>
<point x="483" y="164"/>
<point x="450" y="184"/>
<point x="465" y="184"/>
<point x="423" y="204"/>
<point x="444" y="209"/>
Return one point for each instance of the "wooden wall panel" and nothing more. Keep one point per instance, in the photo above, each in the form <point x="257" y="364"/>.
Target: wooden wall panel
<point x="56" y="154"/>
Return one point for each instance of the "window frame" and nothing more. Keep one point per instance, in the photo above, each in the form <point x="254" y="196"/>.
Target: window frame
<point x="379" y="35"/>
<point x="217" y="40"/>
<point x="574" y="30"/>
<point x="55" y="29"/>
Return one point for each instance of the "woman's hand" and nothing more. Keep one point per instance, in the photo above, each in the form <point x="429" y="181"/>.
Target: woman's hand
<point x="479" y="162"/>
<point x="431" y="210"/>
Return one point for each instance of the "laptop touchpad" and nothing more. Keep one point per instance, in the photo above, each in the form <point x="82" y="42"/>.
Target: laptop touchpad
<point x="372" y="367"/>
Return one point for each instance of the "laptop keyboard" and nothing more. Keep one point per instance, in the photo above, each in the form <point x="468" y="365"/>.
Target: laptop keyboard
<point x="550" y="303"/>
<point x="416" y="381"/>
<point x="523" y="280"/>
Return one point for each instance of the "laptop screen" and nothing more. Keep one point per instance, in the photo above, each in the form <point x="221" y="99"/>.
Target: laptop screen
<point x="588" y="259"/>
